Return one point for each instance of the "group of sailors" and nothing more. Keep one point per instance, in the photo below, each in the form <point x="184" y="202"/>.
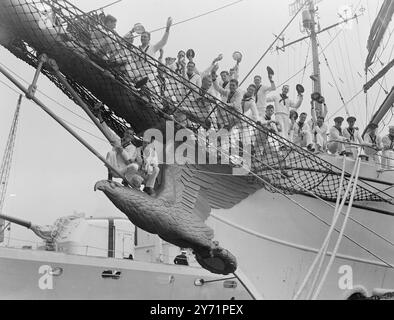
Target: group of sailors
<point x="197" y="94"/>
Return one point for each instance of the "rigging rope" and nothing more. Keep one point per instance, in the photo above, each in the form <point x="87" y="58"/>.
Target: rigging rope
<point x="333" y="256"/>
<point x="276" y="39"/>
<point x="337" y="211"/>
<point x="68" y="122"/>
<point x="310" y="62"/>
<point x="47" y="96"/>
<point x="320" y="256"/>
<point x="335" y="82"/>
<point x="306" y="61"/>
<point x="196" y="17"/>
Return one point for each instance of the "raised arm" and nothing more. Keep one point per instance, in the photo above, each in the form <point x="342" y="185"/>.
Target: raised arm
<point x="213" y="67"/>
<point x="163" y="40"/>
<point x="219" y="89"/>
<point x="270" y="88"/>
<point x="313" y="113"/>
<point x="236" y="72"/>
<point x="114" y="138"/>
<point x="324" y="110"/>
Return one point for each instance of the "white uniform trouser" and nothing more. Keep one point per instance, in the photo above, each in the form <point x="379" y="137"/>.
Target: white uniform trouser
<point x="150" y="179"/>
<point x="303" y="139"/>
<point x="117" y="162"/>
<point x="284" y="122"/>
<point x="320" y="141"/>
<point x="130" y="170"/>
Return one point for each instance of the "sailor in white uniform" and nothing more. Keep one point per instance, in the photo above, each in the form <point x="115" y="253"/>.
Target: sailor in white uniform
<point x="302" y="133"/>
<point x="261" y="93"/>
<point x="352" y="134"/>
<point x="283" y="105"/>
<point x="336" y="137"/>
<point x="388" y="150"/>
<point x="376" y="143"/>
<point x="318" y="128"/>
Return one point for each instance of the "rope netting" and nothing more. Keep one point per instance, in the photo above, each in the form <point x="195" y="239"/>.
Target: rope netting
<point x="101" y="66"/>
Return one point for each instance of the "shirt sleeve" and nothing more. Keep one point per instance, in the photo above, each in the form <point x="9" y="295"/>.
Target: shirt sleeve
<point x="334" y="135"/>
<point x="219" y="89"/>
<point x="270" y="88"/>
<point x="161" y="43"/>
<point x="296" y="105"/>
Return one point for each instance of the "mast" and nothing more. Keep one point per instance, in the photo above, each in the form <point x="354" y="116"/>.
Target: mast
<point x="309" y="24"/>
<point x="309" y="21"/>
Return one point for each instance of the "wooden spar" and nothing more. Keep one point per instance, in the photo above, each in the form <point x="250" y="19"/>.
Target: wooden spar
<point x="381" y="74"/>
<point x="82" y="104"/>
<point x="379" y="115"/>
<point x="378" y="30"/>
<point x="19" y="222"/>
<point x="61" y="122"/>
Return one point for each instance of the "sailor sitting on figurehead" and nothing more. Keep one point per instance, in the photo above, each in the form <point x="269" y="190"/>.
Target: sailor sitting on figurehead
<point x="148" y="161"/>
<point x="128" y="159"/>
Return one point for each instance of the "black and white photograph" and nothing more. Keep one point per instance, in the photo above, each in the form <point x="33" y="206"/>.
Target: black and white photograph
<point x="215" y="152"/>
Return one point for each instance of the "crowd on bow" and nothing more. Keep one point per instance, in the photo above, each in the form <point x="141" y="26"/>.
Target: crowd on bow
<point x="197" y="94"/>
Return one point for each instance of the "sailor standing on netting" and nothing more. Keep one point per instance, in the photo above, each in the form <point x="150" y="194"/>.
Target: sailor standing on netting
<point x="249" y="109"/>
<point x="233" y="98"/>
<point x="283" y="105"/>
<point x="352" y="134"/>
<point x="229" y="119"/>
<point x="388" y="150"/>
<point x="147" y="69"/>
<point x="375" y="142"/>
<point x="262" y="91"/>
<point x="101" y="41"/>
<point x="269" y="120"/>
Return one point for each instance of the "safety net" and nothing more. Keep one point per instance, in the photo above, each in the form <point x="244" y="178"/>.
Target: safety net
<point x="102" y="66"/>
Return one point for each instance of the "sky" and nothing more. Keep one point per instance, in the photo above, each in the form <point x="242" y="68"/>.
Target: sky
<point x="53" y="175"/>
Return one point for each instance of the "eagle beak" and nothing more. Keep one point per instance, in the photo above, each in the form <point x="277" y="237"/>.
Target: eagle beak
<point x="99" y="186"/>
